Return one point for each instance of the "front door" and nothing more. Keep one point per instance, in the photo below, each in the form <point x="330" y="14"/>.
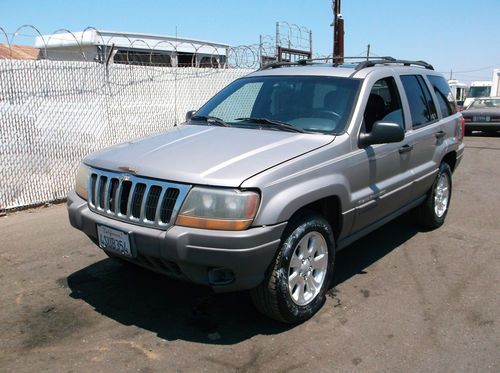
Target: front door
<point x="380" y="174"/>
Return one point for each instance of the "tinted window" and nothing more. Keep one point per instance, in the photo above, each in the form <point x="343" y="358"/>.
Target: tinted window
<point x="422" y="107"/>
<point x="485" y="103"/>
<point x="312" y="103"/>
<point x="479" y="91"/>
<point x="444" y="95"/>
<point x="383" y="104"/>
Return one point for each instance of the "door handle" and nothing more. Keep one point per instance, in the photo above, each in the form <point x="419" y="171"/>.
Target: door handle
<point x="405" y="149"/>
<point x="440" y="134"/>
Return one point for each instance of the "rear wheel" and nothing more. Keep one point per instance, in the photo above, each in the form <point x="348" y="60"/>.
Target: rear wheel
<point x="295" y="287"/>
<point x="432" y="212"/>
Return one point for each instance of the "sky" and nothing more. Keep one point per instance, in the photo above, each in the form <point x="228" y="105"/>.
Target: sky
<point x="459" y="36"/>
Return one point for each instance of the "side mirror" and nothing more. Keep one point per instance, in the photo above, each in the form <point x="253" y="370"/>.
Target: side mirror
<point x="189" y="114"/>
<point x="382" y="133"/>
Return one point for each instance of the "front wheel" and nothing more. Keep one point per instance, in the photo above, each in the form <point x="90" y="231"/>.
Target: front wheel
<point x="432" y="212"/>
<point x="295" y="287"/>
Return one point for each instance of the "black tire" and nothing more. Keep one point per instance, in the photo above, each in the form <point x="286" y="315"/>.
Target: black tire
<point x="426" y="212"/>
<point x="468" y="132"/>
<point x="272" y="297"/>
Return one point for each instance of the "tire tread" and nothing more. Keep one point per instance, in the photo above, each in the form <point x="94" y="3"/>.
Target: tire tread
<point x="425" y="212"/>
<point x="265" y="296"/>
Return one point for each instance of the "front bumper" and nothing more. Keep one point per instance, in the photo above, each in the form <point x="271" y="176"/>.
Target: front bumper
<point x="189" y="253"/>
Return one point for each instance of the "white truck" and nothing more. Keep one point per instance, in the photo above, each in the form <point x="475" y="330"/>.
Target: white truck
<point x="458" y="88"/>
<point x="495" y="83"/>
<point x="479" y="88"/>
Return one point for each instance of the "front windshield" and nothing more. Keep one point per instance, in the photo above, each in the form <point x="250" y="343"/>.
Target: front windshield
<point x="479" y="91"/>
<point x="491" y="103"/>
<point x="310" y="103"/>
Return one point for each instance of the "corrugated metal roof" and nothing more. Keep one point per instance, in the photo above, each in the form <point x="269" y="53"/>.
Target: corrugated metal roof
<point x="18" y="52"/>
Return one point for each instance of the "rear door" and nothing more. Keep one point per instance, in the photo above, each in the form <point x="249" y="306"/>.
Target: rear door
<point x="424" y="135"/>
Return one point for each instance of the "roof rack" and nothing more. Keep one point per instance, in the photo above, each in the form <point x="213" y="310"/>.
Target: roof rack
<point x="390" y="60"/>
<point x="366" y="62"/>
<point x="274" y="65"/>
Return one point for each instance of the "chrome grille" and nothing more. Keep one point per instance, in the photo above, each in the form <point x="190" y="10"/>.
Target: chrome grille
<point x="137" y="200"/>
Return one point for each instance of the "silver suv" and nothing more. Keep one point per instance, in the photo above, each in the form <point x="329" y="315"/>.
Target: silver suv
<point x="260" y="187"/>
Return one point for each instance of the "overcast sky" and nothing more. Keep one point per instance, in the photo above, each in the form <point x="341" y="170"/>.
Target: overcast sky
<point x="459" y="35"/>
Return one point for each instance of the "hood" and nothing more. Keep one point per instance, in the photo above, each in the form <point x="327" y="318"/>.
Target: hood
<point x="199" y="154"/>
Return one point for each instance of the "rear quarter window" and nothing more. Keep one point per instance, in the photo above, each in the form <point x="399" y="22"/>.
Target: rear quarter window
<point x="445" y="98"/>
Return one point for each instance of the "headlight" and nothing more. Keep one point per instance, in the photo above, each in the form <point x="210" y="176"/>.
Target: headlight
<point x="223" y="209"/>
<point x="82" y="180"/>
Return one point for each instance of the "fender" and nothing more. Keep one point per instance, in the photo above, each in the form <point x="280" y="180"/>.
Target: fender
<point x="280" y="206"/>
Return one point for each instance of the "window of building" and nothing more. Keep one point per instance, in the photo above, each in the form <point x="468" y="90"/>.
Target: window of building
<point x="146" y="58"/>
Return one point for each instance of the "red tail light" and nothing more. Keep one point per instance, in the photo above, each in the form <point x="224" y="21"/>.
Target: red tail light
<point x="462" y="129"/>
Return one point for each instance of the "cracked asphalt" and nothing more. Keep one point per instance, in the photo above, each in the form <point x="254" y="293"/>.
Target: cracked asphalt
<point x="403" y="299"/>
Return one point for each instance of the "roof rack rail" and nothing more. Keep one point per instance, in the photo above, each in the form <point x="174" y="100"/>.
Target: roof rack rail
<point x="364" y="58"/>
<point x="307" y="61"/>
<point x="274" y="65"/>
<point x="366" y="62"/>
<point x="385" y="60"/>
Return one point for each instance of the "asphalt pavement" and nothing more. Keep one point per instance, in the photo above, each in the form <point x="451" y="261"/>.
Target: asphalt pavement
<point x="403" y="299"/>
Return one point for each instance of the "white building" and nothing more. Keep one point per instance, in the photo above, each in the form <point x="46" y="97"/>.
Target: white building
<point x="132" y="48"/>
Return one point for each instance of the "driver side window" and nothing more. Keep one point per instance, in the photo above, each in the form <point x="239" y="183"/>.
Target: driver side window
<point x="384" y="104"/>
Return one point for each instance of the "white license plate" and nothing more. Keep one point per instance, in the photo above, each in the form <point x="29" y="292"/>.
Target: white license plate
<point x="114" y="240"/>
<point x="481" y="118"/>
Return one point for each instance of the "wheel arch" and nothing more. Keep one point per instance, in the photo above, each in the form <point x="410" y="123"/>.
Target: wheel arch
<point x="325" y="196"/>
<point x="451" y="159"/>
<point x="330" y="208"/>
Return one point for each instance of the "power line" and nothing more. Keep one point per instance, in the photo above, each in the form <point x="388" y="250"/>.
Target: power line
<point x="472" y="71"/>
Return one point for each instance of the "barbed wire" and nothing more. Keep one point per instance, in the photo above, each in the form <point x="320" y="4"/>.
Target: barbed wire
<point x="66" y="94"/>
<point x="292" y="35"/>
<point x="128" y="49"/>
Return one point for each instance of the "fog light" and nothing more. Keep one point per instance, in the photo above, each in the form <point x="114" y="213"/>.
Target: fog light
<point x="220" y="276"/>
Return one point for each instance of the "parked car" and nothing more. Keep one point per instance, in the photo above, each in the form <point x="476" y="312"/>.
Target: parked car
<point x="482" y="115"/>
<point x="271" y="177"/>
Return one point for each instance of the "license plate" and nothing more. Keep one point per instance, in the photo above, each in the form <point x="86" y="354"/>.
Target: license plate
<point x="114" y="240"/>
<point x="481" y="118"/>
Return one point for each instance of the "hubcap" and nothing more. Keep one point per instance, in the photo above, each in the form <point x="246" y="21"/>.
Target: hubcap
<point x="307" y="269"/>
<point x="441" y="195"/>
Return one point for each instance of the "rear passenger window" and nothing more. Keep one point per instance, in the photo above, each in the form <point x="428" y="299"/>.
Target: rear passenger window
<point x="445" y="98"/>
<point x="422" y="108"/>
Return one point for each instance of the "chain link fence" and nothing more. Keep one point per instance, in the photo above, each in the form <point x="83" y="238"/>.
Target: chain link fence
<point x="53" y="113"/>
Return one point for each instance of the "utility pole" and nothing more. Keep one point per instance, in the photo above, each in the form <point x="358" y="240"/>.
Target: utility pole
<point x="338" y="33"/>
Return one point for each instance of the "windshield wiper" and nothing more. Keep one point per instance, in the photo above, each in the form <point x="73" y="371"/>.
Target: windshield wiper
<point x="209" y="119"/>
<point x="273" y="123"/>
